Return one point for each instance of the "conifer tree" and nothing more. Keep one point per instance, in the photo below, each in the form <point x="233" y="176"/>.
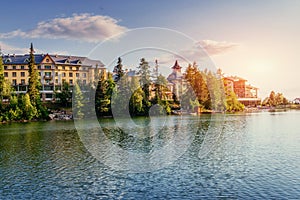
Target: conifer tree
<point x="144" y="72"/>
<point x="2" y="80"/>
<point x="33" y="84"/>
<point x="78" y="102"/>
<point x="119" y="70"/>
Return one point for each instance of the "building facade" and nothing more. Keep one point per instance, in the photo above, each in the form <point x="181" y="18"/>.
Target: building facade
<point x="246" y="93"/>
<point x="53" y="71"/>
<point x="176" y="82"/>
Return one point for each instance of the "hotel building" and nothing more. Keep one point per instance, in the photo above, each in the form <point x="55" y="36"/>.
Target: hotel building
<point x="53" y="71"/>
<point x="246" y="93"/>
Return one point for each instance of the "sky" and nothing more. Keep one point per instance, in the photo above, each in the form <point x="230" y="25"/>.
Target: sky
<point x="257" y="40"/>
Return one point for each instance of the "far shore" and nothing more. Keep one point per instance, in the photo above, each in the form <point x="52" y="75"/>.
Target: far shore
<point x="63" y="116"/>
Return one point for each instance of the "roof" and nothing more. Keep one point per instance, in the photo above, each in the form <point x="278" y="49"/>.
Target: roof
<point x="21" y="59"/>
<point x="58" y="59"/>
<point x="176" y="65"/>
<point x="235" y="78"/>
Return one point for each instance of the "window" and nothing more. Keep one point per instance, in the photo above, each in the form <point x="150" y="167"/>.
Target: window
<point x="39" y="67"/>
<point x="47" y="67"/>
<point x="84" y="81"/>
<point x="23" y="81"/>
<point x="71" y="82"/>
<point x="14" y="67"/>
<point x="70" y="74"/>
<point x="47" y="74"/>
<point x="39" y="73"/>
<point x="63" y="67"/>
<point x="64" y="80"/>
<point x="56" y="73"/>
<point x="77" y="75"/>
<point x="48" y="96"/>
<point x="56" y="80"/>
<point x="14" y="81"/>
<point x="5" y="67"/>
<point x="84" y="75"/>
<point x="47" y="60"/>
<point x="5" y="74"/>
<point x="22" y="67"/>
<point x="64" y="74"/>
<point x="83" y="68"/>
<point x="22" y="74"/>
<point x="14" y="74"/>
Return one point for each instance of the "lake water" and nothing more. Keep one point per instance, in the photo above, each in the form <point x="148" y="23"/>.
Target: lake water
<point x="250" y="156"/>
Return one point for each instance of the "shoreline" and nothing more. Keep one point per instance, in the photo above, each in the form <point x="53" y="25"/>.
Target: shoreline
<point x="247" y="110"/>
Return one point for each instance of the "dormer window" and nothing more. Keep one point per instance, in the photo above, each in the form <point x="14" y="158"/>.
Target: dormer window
<point x="47" y="60"/>
<point x="67" y="61"/>
<point x="8" y="60"/>
<point x="27" y="60"/>
<point x="79" y="62"/>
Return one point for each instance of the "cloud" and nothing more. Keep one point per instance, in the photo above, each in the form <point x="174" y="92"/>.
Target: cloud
<point x="8" y="49"/>
<point x="86" y="27"/>
<point x="200" y="52"/>
<point x="12" y="49"/>
<point x="214" y="47"/>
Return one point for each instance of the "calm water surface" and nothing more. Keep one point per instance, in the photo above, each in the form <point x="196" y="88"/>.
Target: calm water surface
<point x="256" y="156"/>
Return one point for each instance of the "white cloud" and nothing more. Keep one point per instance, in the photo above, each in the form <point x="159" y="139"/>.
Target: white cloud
<point x="8" y="49"/>
<point x="215" y="47"/>
<point x="86" y="27"/>
<point x="200" y="51"/>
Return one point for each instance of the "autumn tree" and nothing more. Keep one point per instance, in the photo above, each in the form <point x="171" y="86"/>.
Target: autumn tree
<point x="232" y="103"/>
<point x="198" y="83"/>
<point x="275" y="99"/>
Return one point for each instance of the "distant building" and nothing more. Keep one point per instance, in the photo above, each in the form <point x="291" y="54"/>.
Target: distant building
<point x="53" y="71"/>
<point x="296" y="101"/>
<point x="176" y="84"/>
<point x="246" y="93"/>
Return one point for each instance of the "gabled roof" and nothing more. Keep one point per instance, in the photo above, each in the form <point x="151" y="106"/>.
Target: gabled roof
<point x="76" y="60"/>
<point x="57" y="59"/>
<point x="21" y="59"/>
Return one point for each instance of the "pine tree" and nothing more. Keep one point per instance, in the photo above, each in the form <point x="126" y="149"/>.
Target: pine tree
<point x="102" y="101"/>
<point x="118" y="70"/>
<point x="78" y="102"/>
<point x="2" y="80"/>
<point x="144" y="72"/>
<point x="33" y="86"/>
<point x="136" y="101"/>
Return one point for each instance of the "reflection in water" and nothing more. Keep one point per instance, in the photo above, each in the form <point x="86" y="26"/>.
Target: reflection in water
<point x="48" y="161"/>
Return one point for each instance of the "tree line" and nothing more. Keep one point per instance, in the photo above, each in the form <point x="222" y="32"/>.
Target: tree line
<point x="120" y="93"/>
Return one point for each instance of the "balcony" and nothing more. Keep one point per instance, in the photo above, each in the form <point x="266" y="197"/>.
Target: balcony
<point x="48" y="77"/>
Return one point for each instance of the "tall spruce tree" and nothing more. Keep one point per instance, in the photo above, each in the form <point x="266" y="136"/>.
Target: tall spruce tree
<point x="2" y="80"/>
<point x="144" y="72"/>
<point x="78" y="102"/>
<point x="102" y="101"/>
<point x="33" y="83"/>
<point x="118" y="70"/>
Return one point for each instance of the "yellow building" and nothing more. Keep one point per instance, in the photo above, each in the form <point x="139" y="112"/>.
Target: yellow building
<point x="53" y="70"/>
